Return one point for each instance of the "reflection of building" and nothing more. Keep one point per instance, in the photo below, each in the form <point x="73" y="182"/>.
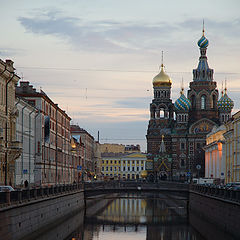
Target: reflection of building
<point x="232" y="149"/>
<point x="10" y="149"/>
<point x="215" y="154"/>
<point x="53" y="161"/>
<point x="124" y="166"/>
<point x="185" y="123"/>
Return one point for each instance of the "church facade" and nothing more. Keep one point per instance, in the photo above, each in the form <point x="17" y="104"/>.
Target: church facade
<point x="177" y="131"/>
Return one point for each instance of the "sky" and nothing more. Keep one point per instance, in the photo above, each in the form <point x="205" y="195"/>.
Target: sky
<point x="97" y="58"/>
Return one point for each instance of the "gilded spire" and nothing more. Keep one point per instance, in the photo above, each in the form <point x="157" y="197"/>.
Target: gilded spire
<point x="222" y="88"/>
<point x="162" y="60"/>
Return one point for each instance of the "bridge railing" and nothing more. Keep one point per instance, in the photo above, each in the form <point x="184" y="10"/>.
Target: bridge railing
<point x="25" y="195"/>
<point x="215" y="191"/>
<point x="115" y="184"/>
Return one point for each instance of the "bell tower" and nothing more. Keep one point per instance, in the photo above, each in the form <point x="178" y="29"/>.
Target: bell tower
<point x="203" y="93"/>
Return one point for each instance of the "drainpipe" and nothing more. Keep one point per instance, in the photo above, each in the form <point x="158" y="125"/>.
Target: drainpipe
<point x="29" y="145"/>
<point x="6" y="126"/>
<point x="22" y="141"/>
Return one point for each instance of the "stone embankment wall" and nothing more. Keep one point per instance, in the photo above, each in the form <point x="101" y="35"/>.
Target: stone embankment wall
<point x="223" y="213"/>
<point x="20" y="220"/>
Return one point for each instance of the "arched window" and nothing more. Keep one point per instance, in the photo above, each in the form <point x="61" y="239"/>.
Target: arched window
<point x="161" y="113"/>
<point x="203" y="102"/>
<point x="213" y="101"/>
<point x="182" y="163"/>
<point x="193" y="100"/>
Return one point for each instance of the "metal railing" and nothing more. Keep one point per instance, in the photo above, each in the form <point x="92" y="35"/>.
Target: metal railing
<point x="26" y="195"/>
<point x="215" y="191"/>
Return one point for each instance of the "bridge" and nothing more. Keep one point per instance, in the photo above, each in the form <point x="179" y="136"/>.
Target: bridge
<point x="99" y="188"/>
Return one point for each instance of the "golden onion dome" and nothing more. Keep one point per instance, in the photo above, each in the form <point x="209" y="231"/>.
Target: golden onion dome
<point x="144" y="174"/>
<point x="162" y="79"/>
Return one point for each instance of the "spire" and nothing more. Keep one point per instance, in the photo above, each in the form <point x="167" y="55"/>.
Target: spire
<point x="162" y="60"/>
<point x="225" y="89"/>
<point x="222" y="88"/>
<point x="182" y="87"/>
<point x="203" y="30"/>
<point x="162" y="148"/>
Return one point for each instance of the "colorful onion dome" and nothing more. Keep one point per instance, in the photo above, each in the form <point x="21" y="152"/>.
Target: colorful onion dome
<point x="162" y="79"/>
<point x="203" y="42"/>
<point x="225" y="103"/>
<point x="182" y="103"/>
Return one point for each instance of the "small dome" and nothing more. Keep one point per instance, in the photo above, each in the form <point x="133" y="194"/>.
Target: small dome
<point x="182" y="103"/>
<point x="162" y="79"/>
<point x="225" y="103"/>
<point x="203" y="42"/>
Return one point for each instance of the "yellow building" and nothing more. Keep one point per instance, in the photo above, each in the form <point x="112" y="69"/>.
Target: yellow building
<point x="10" y="149"/>
<point x="123" y="166"/>
<point x="232" y="153"/>
<point x="112" y="148"/>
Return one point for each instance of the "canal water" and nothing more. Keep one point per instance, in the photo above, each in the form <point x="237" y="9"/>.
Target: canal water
<point x="137" y="217"/>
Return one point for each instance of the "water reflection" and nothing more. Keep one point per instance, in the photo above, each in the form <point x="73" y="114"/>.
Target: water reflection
<point x="129" y="217"/>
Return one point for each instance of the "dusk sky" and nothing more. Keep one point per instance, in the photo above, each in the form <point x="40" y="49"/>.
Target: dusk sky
<point x="97" y="58"/>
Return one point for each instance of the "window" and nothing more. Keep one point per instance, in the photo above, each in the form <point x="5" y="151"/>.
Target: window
<point x="119" y="162"/>
<point x="132" y="168"/>
<point x="128" y="162"/>
<point x="182" y="146"/>
<point x="102" y="168"/>
<point x="115" y="169"/>
<point x="203" y="102"/>
<point x="124" y="162"/>
<point x="124" y="168"/>
<point x="110" y="168"/>
<point x="161" y="113"/>
<point x="137" y="168"/>
<point x="103" y="161"/>
<point x="198" y="145"/>
<point x="107" y="162"/>
<point x="193" y="100"/>
<point x="182" y="163"/>
<point x="115" y="162"/>
<point x="111" y="162"/>
<point x="106" y="168"/>
<point x="128" y="168"/>
<point x="137" y="162"/>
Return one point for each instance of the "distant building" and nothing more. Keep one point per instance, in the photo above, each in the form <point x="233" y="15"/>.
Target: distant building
<point x="215" y="164"/>
<point x="123" y="166"/>
<point x="87" y="139"/>
<point x="10" y="148"/>
<point x="112" y="148"/>
<point x="132" y="148"/>
<point x="53" y="163"/>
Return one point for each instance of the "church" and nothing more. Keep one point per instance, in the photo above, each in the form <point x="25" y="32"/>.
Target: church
<point x="177" y="131"/>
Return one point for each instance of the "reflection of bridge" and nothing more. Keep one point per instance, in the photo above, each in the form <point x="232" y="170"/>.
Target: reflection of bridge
<point x="98" y="188"/>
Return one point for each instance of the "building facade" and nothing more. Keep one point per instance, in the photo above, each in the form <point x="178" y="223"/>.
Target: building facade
<point x="123" y="166"/>
<point x="53" y="161"/>
<point x="10" y="148"/>
<point x="215" y="164"/>
<point x="26" y="130"/>
<point x="232" y="149"/>
<point x="87" y="139"/>
<point x="185" y="123"/>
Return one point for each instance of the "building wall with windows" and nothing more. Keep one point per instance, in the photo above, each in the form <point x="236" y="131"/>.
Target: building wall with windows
<point x="123" y="166"/>
<point x="10" y="148"/>
<point x="53" y="163"/>
<point x="26" y="132"/>
<point x="232" y="149"/>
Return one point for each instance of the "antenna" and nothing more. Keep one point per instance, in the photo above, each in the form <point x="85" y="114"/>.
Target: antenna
<point x="225" y="85"/>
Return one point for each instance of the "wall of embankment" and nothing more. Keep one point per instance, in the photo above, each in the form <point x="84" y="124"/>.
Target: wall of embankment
<point x="224" y="214"/>
<point x="55" y="217"/>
